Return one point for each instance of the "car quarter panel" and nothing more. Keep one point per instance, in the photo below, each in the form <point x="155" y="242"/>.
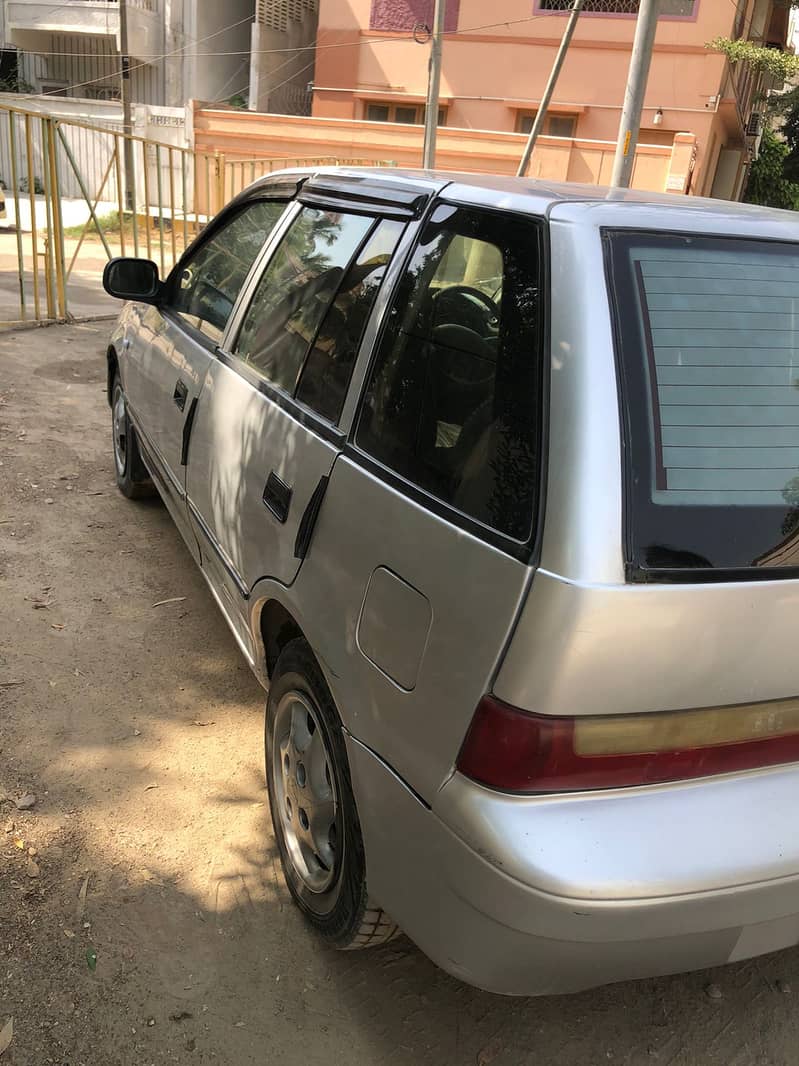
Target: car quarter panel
<point x="473" y="590"/>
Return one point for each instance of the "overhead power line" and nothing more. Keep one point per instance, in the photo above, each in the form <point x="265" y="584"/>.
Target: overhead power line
<point x="154" y="58"/>
<point x="135" y="66"/>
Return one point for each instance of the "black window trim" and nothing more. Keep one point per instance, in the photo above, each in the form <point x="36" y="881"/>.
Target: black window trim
<point x="352" y="260"/>
<point x="262" y="263"/>
<point x="529" y="550"/>
<point x="302" y="412"/>
<point x="633" y="571"/>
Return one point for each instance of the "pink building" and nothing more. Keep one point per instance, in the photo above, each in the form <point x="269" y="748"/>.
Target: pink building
<point x="497" y="58"/>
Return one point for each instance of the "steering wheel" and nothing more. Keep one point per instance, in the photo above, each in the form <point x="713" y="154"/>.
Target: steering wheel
<point x="467" y="313"/>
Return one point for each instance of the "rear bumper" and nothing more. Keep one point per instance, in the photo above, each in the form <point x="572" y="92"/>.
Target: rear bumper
<point x="471" y="912"/>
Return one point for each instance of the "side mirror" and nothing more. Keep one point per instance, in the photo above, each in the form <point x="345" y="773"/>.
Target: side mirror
<point x="132" y="279"/>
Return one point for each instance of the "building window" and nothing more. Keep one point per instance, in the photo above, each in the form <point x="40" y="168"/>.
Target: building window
<point x="668" y="8"/>
<point x="410" y="114"/>
<point x="554" y="125"/>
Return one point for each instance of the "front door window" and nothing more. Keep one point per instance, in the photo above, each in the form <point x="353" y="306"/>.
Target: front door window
<point x="206" y="283"/>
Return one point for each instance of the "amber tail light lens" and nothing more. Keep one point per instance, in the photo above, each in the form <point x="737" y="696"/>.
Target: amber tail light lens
<point x="515" y="751"/>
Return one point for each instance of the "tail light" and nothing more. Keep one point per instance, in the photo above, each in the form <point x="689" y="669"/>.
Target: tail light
<point x="512" y="750"/>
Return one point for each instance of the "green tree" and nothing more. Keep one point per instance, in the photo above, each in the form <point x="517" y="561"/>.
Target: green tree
<point x="768" y="184"/>
<point x="12" y="83"/>
<point x="786" y="107"/>
<point x="761" y="58"/>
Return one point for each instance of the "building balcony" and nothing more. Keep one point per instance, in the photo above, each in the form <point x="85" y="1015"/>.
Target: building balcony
<point x="32" y="24"/>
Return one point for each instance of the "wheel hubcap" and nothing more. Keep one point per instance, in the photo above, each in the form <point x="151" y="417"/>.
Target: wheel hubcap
<point x="120" y="430"/>
<point x="306" y="797"/>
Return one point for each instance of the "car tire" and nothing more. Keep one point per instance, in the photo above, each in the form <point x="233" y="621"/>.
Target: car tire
<point x="133" y="479"/>
<point x="307" y="770"/>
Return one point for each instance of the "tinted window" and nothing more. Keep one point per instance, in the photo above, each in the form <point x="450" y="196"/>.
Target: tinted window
<point x="205" y="286"/>
<point x="295" y="292"/>
<point x="453" y="400"/>
<point x="710" y="347"/>
<point x="328" y="368"/>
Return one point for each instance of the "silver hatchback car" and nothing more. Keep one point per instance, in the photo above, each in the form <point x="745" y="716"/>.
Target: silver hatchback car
<point x="497" y="485"/>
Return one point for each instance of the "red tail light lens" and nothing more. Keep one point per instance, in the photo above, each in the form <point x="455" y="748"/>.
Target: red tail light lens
<point x="515" y="751"/>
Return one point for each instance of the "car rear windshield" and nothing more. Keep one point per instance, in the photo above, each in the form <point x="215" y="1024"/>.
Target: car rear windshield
<point x="708" y="339"/>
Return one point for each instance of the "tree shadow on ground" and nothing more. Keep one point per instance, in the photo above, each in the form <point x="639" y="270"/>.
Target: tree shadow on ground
<point x="229" y="972"/>
<point x="139" y="727"/>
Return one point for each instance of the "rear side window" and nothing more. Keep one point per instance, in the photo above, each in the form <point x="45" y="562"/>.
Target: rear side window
<point x="452" y="403"/>
<point x="295" y="292"/>
<point x="328" y="367"/>
<point x="207" y="282"/>
<point x="709" y="331"/>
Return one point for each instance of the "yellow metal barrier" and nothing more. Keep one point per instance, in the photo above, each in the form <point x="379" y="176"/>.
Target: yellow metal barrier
<point x="69" y="208"/>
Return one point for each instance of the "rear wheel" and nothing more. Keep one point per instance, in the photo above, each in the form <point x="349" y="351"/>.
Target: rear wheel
<point x="132" y="477"/>
<point x="313" y="808"/>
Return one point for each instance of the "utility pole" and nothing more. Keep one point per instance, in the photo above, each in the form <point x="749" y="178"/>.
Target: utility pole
<point x="433" y="88"/>
<point x="630" y="125"/>
<point x="127" y="123"/>
<point x="543" y="107"/>
<point x="258" y="80"/>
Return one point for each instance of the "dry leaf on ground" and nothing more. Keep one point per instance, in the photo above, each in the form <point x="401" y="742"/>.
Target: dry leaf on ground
<point x="81" y="907"/>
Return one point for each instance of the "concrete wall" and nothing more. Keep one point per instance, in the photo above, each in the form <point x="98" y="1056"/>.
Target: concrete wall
<point x="283" y="62"/>
<point x="205" y="45"/>
<point x="218" y="77"/>
<point x="246" y="135"/>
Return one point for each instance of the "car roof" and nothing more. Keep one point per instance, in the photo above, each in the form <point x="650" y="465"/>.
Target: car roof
<point x="562" y="200"/>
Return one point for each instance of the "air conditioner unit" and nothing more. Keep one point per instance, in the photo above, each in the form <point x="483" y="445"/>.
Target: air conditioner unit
<point x="754" y="127"/>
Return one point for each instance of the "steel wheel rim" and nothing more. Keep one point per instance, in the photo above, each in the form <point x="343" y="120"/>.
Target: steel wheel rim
<point x="119" y="423"/>
<point x="305" y="792"/>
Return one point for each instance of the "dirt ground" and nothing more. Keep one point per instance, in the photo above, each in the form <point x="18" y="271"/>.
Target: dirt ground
<point x="143" y="919"/>
<point x="85" y="295"/>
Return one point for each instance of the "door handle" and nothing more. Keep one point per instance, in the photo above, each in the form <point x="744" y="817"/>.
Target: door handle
<point x="277" y="497"/>
<point x="180" y="395"/>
